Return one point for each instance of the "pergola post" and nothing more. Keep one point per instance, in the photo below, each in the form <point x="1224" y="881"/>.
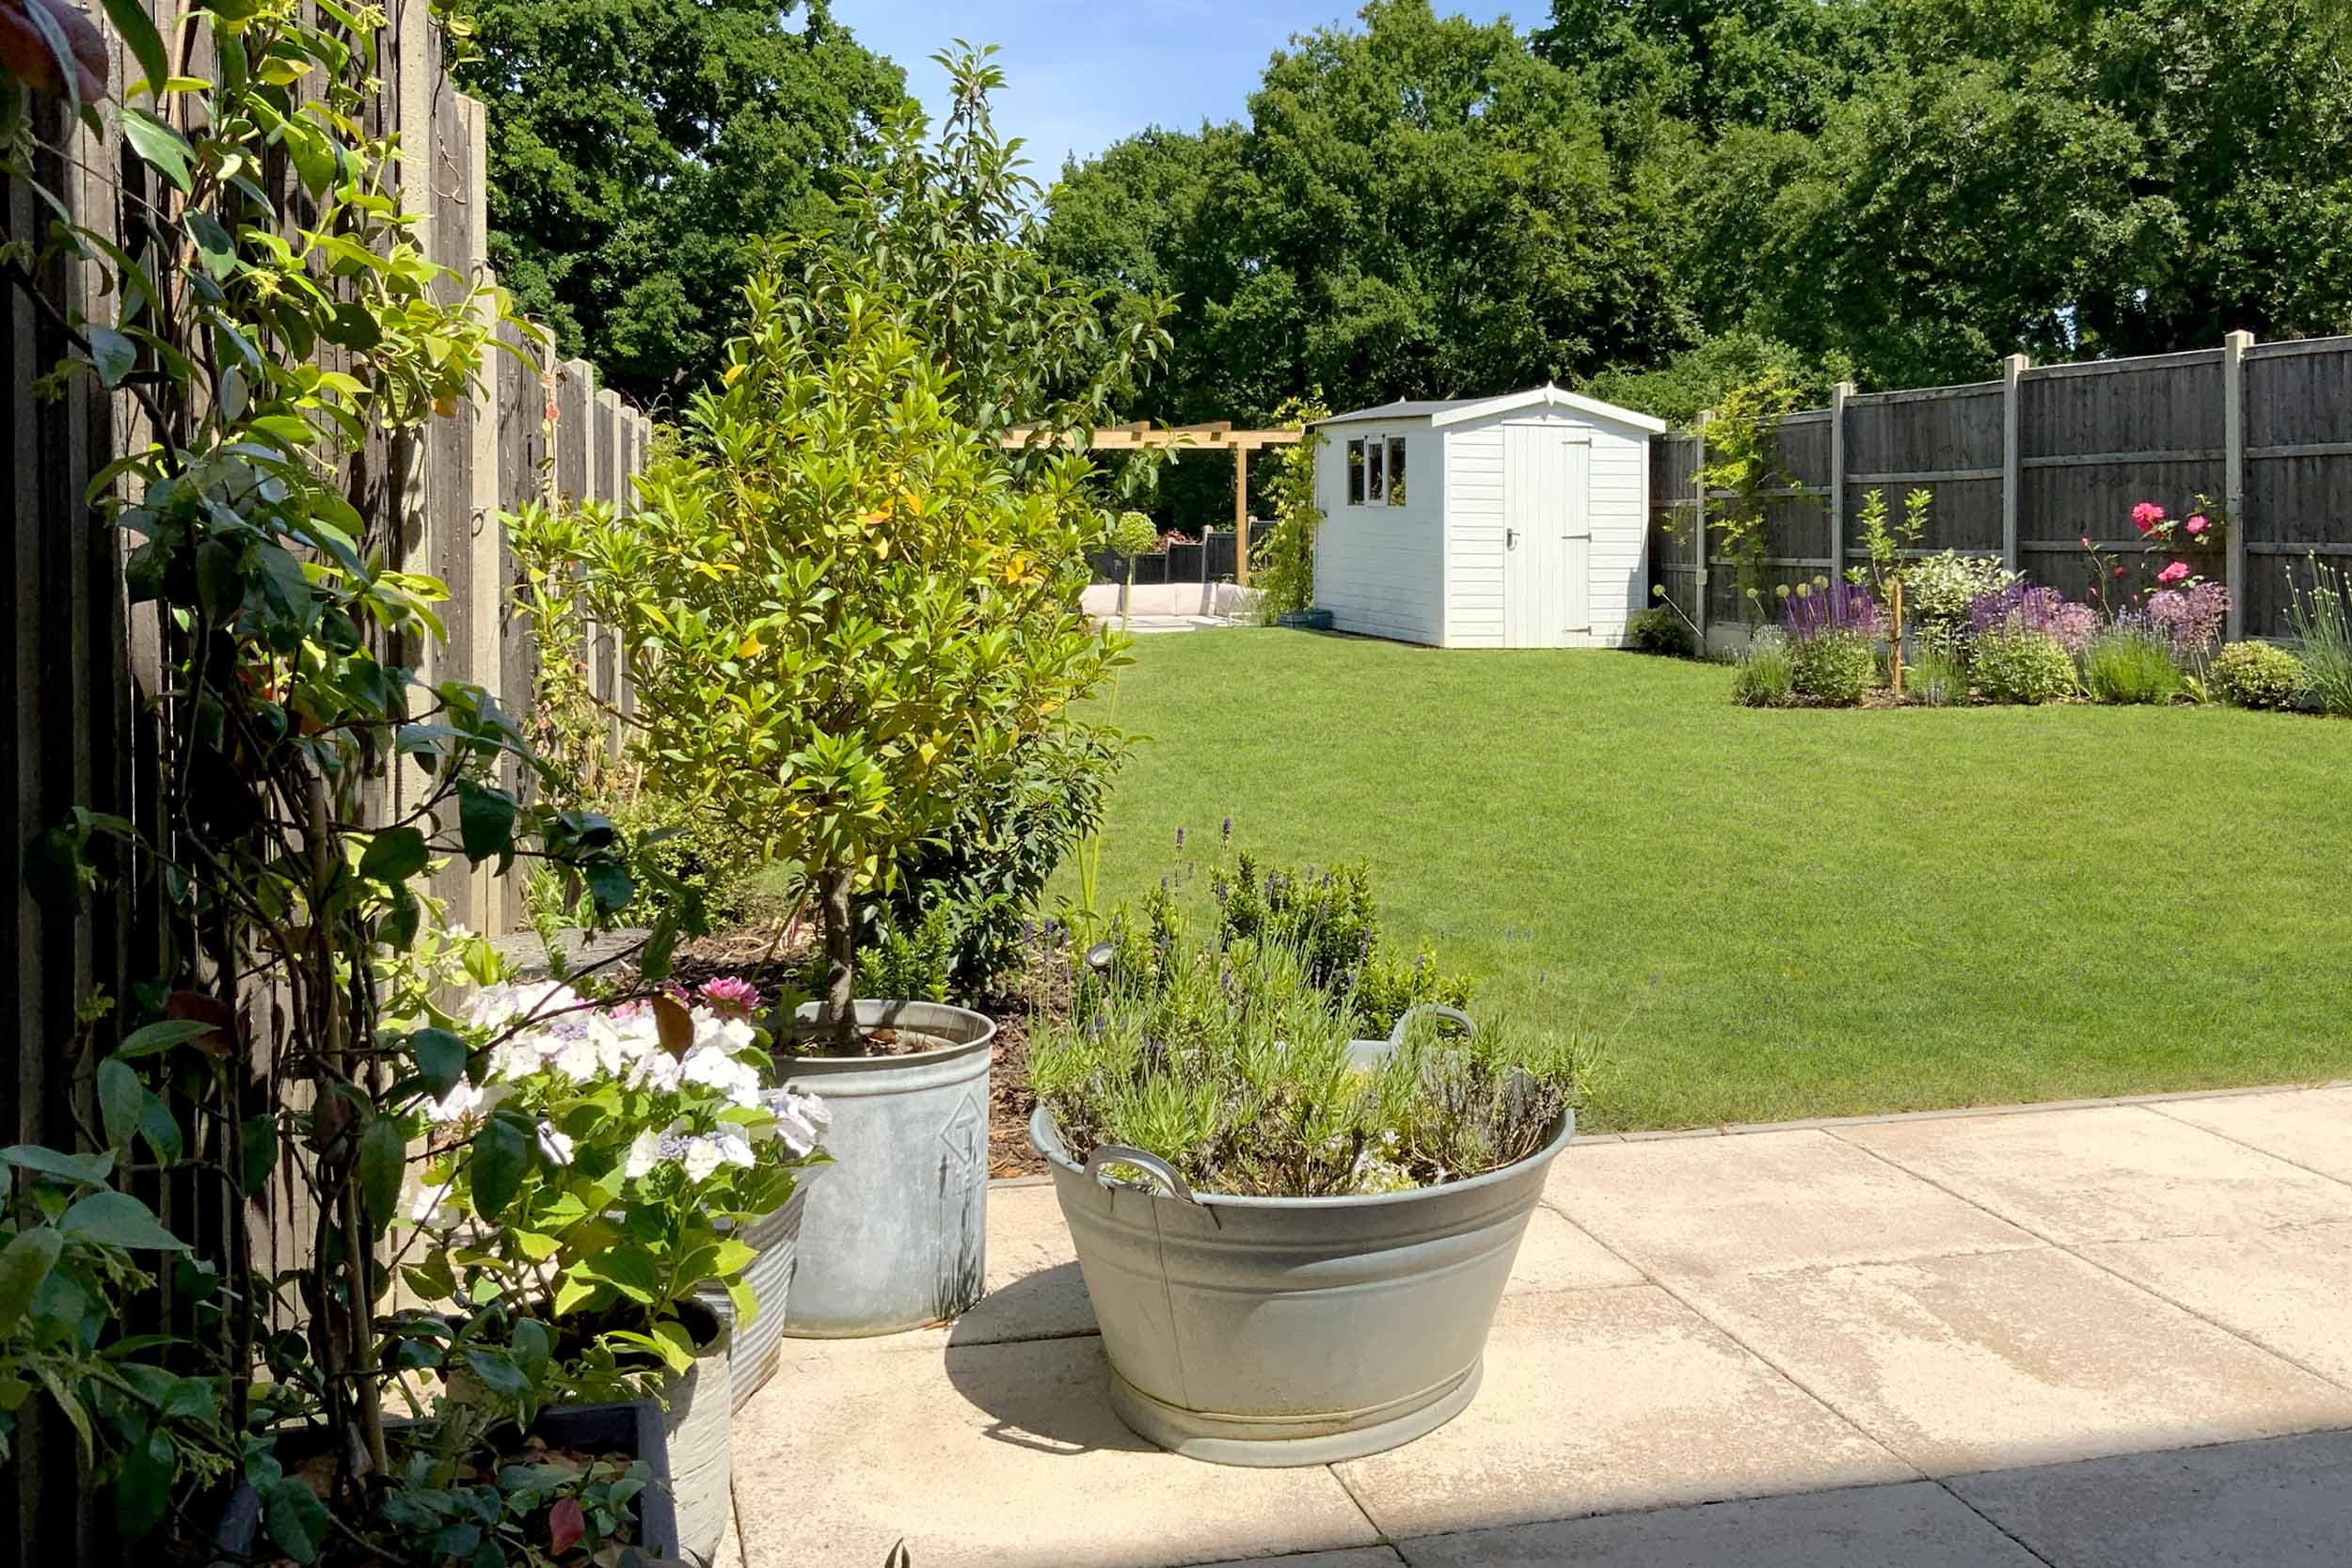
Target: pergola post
<point x="1241" y="516"/>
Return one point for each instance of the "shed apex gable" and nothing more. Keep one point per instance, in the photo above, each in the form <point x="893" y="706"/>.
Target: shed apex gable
<point x="1545" y="396"/>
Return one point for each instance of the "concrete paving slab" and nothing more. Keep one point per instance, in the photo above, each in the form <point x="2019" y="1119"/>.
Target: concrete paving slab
<point x="1555" y="1255"/>
<point x="2009" y="1358"/>
<point x="1701" y="1208"/>
<point x="999" y="1456"/>
<point x="1596" y="1401"/>
<point x="2117" y="1173"/>
<point x="1917" y="1524"/>
<point x="2289" y="1290"/>
<point x="2285" y="1503"/>
<point x="2311" y="1127"/>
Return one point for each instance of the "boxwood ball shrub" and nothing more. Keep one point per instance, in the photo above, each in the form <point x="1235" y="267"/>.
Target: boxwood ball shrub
<point x="2016" y="665"/>
<point x="2259" y="674"/>
<point x="1837" y="667"/>
<point x="1660" y="630"/>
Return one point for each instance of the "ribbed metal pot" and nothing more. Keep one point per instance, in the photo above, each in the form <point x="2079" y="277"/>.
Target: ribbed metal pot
<point x="757" y="1346"/>
<point x="1277" y="1331"/>
<point x="895" y="1234"/>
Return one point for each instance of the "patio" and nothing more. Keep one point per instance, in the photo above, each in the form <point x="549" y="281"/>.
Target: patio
<point x="2110" y="1333"/>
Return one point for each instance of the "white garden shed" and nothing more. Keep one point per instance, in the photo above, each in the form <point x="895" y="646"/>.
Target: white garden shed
<point x="1506" y="522"/>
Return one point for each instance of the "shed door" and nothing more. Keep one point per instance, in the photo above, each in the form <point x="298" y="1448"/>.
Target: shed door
<point x="1547" y="538"/>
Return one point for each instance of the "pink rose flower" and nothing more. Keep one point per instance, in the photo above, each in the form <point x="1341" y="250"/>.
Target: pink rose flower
<point x="2086" y="541"/>
<point x="2173" y="573"/>
<point x="2121" y="572"/>
<point x="2198" y="524"/>
<point x="2147" y="515"/>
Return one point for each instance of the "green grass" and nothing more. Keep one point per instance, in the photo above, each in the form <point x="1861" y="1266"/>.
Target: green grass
<point x="1787" y="912"/>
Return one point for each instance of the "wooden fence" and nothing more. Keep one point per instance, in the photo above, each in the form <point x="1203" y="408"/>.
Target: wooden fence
<point x="2025" y="467"/>
<point x="78" y="664"/>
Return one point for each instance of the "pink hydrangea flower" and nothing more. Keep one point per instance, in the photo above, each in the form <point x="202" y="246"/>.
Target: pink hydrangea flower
<point x="2146" y="515"/>
<point x="2198" y="524"/>
<point x="2173" y="573"/>
<point x="730" y="993"/>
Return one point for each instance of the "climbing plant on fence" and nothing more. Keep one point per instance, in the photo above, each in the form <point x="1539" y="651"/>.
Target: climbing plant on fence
<point x="267" y="311"/>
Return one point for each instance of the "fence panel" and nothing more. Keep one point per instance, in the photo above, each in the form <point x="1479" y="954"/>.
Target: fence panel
<point x="2068" y="456"/>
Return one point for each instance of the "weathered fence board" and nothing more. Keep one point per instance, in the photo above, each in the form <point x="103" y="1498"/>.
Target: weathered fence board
<point x="2027" y="465"/>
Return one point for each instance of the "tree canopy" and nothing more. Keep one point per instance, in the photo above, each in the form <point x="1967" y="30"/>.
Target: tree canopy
<point x="641" y="149"/>
<point x="1663" y="197"/>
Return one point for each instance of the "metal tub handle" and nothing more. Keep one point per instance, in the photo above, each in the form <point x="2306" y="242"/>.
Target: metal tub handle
<point x="1150" y="1165"/>
<point x="1396" y="1035"/>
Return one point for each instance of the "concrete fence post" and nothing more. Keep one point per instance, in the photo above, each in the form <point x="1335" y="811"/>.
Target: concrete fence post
<point x="2012" y="470"/>
<point x="2234" y="349"/>
<point x="1698" y="523"/>
<point x="1837" y="396"/>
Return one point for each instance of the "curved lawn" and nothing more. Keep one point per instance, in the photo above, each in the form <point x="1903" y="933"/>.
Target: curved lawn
<point x="1784" y="913"/>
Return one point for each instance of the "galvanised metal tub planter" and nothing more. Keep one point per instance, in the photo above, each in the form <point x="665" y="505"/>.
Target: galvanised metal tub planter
<point x="894" y="1233"/>
<point x="1277" y="1331"/>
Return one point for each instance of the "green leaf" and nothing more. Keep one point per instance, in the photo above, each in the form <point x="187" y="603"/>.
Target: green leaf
<point x="188" y="1398"/>
<point x="440" y="1059"/>
<point x="114" y="354"/>
<point x="501" y="1159"/>
<point x="24" y="1262"/>
<point x="215" y="245"/>
<point x="91" y="1169"/>
<point x="260" y="1152"/>
<point x="383" y="1156"/>
<point x="159" y="1127"/>
<point x="139" y="36"/>
<point x="609" y="885"/>
<point x="393" y="856"/>
<point x="297" y="1520"/>
<point x="629" y="1270"/>
<point x="498" y="1373"/>
<point x="143" y="1487"/>
<point x="120" y="1101"/>
<point x="119" y="1220"/>
<point x="485" y="822"/>
<point x="572" y="1293"/>
<point x="152" y="1039"/>
<point x="159" y="144"/>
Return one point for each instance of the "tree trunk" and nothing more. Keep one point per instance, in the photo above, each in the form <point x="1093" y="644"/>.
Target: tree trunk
<point x="834" y="914"/>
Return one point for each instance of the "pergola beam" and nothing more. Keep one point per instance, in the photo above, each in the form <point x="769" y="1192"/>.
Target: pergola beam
<point x="1214" y="435"/>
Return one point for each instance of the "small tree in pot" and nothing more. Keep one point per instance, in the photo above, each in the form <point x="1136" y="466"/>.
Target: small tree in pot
<point x="853" y="591"/>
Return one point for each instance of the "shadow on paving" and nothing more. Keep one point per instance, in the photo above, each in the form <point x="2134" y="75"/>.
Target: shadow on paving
<point x="2280" y="1502"/>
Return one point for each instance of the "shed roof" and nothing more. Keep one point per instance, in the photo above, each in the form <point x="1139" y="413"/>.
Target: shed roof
<point x="1445" y="411"/>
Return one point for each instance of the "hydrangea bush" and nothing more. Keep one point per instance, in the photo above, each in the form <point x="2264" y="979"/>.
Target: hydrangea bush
<point x="619" y="1146"/>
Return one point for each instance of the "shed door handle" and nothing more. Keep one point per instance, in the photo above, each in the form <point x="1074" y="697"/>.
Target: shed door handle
<point x="1510" y="539"/>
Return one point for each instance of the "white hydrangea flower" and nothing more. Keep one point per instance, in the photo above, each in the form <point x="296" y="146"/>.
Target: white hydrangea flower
<point x="801" y="1119"/>
<point x="555" y="1143"/>
<point x="703" y="1157"/>
<point x="643" y="1154"/>
<point x="735" y="1145"/>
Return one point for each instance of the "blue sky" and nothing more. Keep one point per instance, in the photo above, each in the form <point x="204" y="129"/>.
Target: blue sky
<point x="1086" y="72"/>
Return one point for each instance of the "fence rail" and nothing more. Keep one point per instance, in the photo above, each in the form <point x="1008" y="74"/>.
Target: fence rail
<point x="2025" y="467"/>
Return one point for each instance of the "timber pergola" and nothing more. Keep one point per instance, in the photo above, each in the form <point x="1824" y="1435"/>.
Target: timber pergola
<point x="1216" y="435"/>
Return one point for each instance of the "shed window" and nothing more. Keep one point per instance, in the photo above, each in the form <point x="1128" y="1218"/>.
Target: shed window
<point x="1355" y="473"/>
<point x="1396" y="470"/>
<point x="1375" y="485"/>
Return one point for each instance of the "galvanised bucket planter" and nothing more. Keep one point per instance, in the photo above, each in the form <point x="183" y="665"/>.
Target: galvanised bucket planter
<point x="1271" y="1331"/>
<point x="894" y="1232"/>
